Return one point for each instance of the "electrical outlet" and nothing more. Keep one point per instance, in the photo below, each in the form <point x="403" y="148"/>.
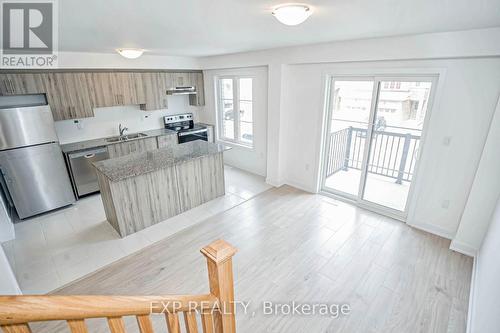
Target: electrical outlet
<point x="79" y="123"/>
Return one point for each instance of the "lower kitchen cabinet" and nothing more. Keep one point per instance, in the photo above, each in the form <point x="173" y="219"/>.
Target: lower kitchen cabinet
<point x="130" y="147"/>
<point x="166" y="141"/>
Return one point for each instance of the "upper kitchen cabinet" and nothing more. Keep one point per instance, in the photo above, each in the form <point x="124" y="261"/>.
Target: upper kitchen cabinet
<point x="116" y="88"/>
<point x="73" y="95"/>
<point x="18" y="84"/>
<point x="127" y="88"/>
<point x="68" y="95"/>
<point x="155" y="86"/>
<point x="196" y="80"/>
<point x="181" y="79"/>
<point x="190" y="79"/>
<point x="99" y="85"/>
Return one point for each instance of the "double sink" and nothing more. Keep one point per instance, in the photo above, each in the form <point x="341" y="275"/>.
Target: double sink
<point x="125" y="138"/>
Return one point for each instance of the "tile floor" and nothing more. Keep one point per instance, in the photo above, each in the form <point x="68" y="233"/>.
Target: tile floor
<point x="54" y="249"/>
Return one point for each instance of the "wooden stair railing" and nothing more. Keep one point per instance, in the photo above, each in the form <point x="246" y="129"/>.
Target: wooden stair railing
<point x="216" y="309"/>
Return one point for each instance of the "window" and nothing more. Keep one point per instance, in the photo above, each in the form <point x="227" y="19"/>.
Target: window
<point x="235" y="109"/>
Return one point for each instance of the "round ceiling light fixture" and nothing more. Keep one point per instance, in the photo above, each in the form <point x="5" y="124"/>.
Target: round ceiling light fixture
<point x="130" y="53"/>
<point x="293" y="14"/>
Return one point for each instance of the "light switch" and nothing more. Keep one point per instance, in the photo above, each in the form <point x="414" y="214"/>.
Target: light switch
<point x="446" y="140"/>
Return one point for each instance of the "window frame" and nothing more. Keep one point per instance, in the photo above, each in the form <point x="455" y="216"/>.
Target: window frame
<point x="236" y="106"/>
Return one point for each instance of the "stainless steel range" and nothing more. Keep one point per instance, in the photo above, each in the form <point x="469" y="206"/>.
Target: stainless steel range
<point x="33" y="174"/>
<point x="185" y="127"/>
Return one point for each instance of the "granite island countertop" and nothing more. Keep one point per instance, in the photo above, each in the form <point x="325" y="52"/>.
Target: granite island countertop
<point x="132" y="165"/>
<point x="75" y="146"/>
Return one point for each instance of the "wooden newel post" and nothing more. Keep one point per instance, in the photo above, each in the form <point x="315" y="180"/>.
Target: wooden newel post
<point x="220" y="275"/>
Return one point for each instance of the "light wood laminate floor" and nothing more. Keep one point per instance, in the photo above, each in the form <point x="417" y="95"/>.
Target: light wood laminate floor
<point x="295" y="246"/>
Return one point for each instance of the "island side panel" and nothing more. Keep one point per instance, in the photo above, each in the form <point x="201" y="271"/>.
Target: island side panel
<point x="145" y="200"/>
<point x="212" y="177"/>
<point x="200" y="180"/>
<point x="107" y="200"/>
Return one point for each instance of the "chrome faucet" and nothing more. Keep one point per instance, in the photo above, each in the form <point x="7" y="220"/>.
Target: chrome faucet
<point x="122" y="130"/>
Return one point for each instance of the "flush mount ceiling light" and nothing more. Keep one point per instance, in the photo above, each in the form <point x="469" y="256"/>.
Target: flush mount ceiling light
<point x="292" y="14"/>
<point x="130" y="53"/>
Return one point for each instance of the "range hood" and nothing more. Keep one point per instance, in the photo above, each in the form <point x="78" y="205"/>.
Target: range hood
<point x="182" y="91"/>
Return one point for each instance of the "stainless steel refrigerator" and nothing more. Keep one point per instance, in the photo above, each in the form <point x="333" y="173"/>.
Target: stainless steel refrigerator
<point x="34" y="175"/>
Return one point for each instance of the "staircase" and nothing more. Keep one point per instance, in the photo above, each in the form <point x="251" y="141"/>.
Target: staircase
<point x="216" y="309"/>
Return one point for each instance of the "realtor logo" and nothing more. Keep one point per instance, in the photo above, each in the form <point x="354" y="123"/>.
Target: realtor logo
<point x="29" y="34"/>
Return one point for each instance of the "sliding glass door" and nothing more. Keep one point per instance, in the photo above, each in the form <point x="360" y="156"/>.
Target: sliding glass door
<point x="373" y="139"/>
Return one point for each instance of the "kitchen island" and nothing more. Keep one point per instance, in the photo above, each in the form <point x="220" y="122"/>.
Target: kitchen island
<point x="143" y="189"/>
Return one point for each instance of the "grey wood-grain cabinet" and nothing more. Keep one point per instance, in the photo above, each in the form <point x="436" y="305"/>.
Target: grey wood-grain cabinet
<point x="15" y="84"/>
<point x="68" y="95"/>
<point x="165" y="141"/>
<point x="196" y="80"/>
<point x="155" y="86"/>
<point x="140" y="201"/>
<point x="130" y="147"/>
<point x="74" y="94"/>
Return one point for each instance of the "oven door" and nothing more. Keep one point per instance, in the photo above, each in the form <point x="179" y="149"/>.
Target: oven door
<point x="187" y="136"/>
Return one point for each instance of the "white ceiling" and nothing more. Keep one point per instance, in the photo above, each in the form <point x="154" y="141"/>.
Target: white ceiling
<point x="209" y="27"/>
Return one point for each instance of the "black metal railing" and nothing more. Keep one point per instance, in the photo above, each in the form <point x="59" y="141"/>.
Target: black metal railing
<point x="392" y="154"/>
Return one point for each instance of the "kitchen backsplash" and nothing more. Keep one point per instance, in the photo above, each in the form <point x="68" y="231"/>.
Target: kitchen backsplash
<point x="106" y="120"/>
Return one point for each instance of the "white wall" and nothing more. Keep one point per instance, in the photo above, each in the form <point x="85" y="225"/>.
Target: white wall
<point x="484" y="315"/>
<point x="114" y="60"/>
<point x="483" y="195"/>
<point x="252" y="160"/>
<point x="454" y="44"/>
<point x="106" y="120"/>
<point x="466" y="97"/>
<point x="468" y="63"/>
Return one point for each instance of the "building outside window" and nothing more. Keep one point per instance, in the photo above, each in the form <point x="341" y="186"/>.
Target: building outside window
<point x="235" y="110"/>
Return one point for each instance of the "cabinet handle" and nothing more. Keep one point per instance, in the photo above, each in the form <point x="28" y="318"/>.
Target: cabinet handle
<point x="89" y="155"/>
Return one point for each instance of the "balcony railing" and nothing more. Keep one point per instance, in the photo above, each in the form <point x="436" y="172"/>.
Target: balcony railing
<point x="392" y="154"/>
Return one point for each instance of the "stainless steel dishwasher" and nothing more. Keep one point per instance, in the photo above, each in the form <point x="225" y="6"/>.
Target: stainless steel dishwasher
<point x="82" y="171"/>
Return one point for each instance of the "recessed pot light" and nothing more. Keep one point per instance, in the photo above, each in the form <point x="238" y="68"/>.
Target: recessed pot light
<point x="292" y="14"/>
<point x="130" y="53"/>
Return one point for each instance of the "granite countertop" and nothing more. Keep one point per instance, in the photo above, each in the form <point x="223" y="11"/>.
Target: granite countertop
<point x="132" y="165"/>
<point x="75" y="146"/>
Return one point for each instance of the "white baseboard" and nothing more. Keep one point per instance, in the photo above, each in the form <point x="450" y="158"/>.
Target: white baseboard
<point x="300" y="186"/>
<point x="463" y="248"/>
<point x="433" y="229"/>
<point x="275" y="183"/>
